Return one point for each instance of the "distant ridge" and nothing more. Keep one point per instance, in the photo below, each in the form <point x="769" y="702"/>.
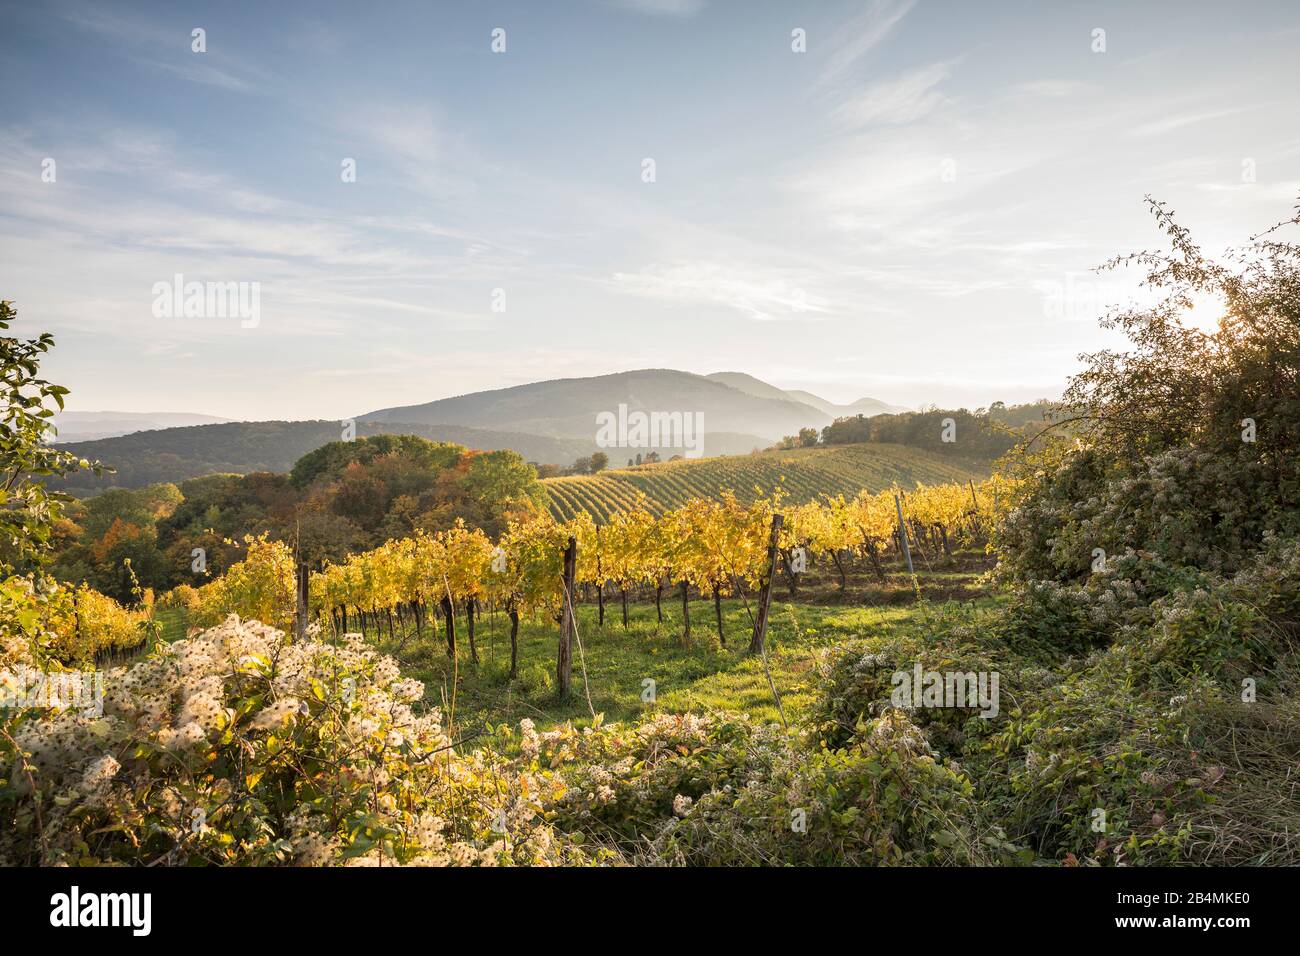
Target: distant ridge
<point x="87" y="426"/>
<point x="567" y="407"/>
<point x="757" y="387"/>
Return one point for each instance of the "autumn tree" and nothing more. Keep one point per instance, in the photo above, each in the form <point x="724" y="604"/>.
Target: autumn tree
<point x="1186" y="443"/>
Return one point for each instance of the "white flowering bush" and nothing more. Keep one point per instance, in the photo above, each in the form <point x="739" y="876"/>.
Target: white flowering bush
<point x="622" y="781"/>
<point x="239" y="746"/>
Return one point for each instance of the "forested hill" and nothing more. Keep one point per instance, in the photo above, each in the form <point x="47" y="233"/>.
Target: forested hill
<point x="175" y="454"/>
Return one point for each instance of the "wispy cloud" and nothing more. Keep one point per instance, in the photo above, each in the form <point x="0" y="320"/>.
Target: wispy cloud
<point x="200" y="72"/>
<point x="760" y="294"/>
<point x="862" y="35"/>
<point x="1168" y="124"/>
<point x="901" y="99"/>
<point x="168" y="50"/>
<point x="1050" y="88"/>
<point x="410" y="139"/>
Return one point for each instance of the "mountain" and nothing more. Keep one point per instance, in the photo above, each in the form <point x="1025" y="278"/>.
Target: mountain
<point x="757" y="387"/>
<point x="87" y="426"/>
<point x="551" y="422"/>
<point x="760" y="389"/>
<point x="569" y="407"/>
<point x="872" y="406"/>
<point x="174" y="454"/>
<point x="817" y="402"/>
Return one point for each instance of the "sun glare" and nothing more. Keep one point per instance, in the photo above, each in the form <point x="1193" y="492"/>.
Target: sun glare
<point x="1206" y="312"/>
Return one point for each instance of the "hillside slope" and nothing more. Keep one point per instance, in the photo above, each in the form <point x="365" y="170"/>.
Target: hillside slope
<point x="568" y="407"/>
<point x="804" y="473"/>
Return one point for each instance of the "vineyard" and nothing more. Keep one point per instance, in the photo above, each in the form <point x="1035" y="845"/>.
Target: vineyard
<point x="717" y="547"/>
<point x="82" y="625"/>
<point x="1089" y="658"/>
<point x="801" y="474"/>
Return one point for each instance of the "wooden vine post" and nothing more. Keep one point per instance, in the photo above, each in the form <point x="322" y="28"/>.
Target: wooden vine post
<point x="765" y="593"/>
<point x="902" y="535"/>
<point x="686" y="613"/>
<point x="449" y="615"/>
<point x="974" y="508"/>
<point x="564" y="657"/>
<point x="600" y="583"/>
<point x="301" y="578"/>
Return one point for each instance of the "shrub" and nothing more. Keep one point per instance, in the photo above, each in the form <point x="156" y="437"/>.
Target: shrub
<point x="1163" y="734"/>
<point x="857" y="680"/>
<point x="236" y="746"/>
<point x="717" y="789"/>
<point x="887" y="799"/>
<point x="42" y="620"/>
<point x="621" y="782"/>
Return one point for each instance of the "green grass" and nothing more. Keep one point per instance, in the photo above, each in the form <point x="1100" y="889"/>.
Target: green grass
<point x="702" y="676"/>
<point x="173" y="622"/>
<point x="804" y="473"/>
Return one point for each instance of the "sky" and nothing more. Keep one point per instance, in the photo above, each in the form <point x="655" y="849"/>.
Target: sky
<point x="909" y="208"/>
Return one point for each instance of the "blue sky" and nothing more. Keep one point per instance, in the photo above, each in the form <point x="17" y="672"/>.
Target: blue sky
<point x="908" y="210"/>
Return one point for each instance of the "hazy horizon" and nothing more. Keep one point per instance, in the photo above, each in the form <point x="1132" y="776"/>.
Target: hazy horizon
<point x="908" y="210"/>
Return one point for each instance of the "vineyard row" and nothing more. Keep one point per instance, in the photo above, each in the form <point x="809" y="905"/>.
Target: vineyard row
<point x="714" y="545"/>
